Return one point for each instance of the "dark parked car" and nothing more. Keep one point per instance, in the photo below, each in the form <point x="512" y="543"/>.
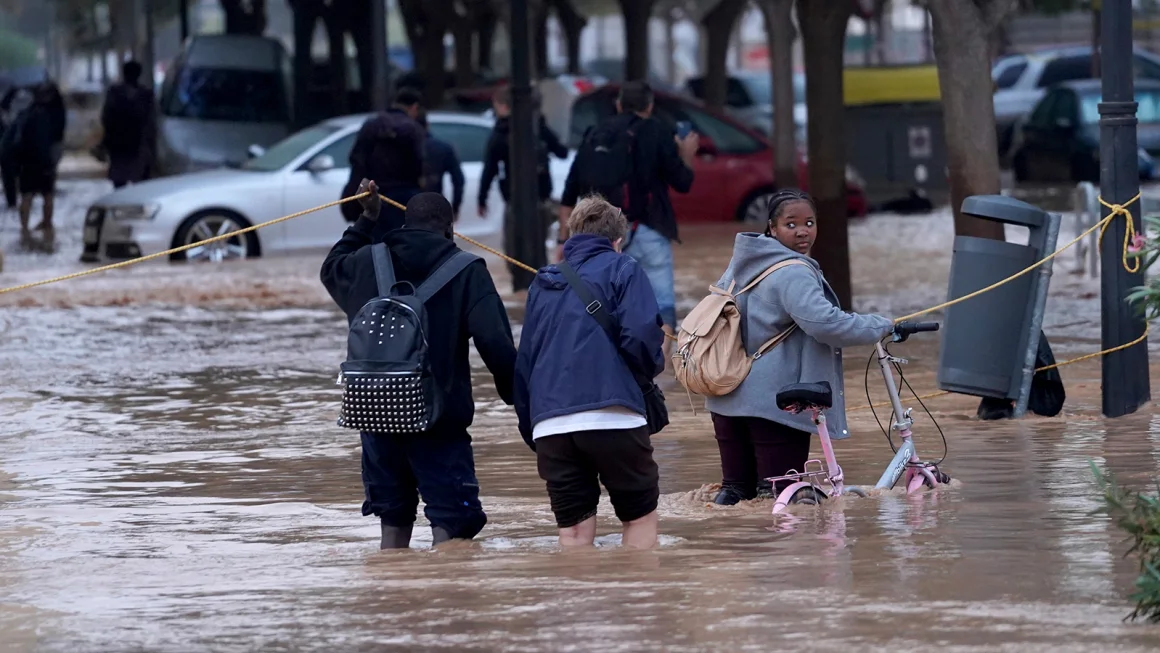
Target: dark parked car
<point x="734" y="169"/>
<point x="1061" y="138"/>
<point x="1021" y="80"/>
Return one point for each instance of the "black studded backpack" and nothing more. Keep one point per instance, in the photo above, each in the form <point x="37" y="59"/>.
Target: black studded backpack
<point x="387" y="375"/>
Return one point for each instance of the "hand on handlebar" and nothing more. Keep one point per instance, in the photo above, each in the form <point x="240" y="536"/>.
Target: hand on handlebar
<point x="904" y="330"/>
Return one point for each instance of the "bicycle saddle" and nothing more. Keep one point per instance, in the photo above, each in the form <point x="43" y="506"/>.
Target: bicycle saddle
<point x="806" y="395"/>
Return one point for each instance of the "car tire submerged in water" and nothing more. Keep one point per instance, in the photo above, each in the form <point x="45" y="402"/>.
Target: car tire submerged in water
<point x="207" y="224"/>
<point x="754" y="210"/>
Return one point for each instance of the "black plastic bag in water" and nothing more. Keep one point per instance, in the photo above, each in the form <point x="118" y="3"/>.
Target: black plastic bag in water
<point x="1047" y="393"/>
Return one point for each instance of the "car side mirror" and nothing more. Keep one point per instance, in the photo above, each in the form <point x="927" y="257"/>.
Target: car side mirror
<point x="706" y="146"/>
<point x="254" y="151"/>
<point x="320" y="164"/>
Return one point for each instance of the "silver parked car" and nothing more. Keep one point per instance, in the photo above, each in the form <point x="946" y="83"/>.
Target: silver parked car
<point x="303" y="171"/>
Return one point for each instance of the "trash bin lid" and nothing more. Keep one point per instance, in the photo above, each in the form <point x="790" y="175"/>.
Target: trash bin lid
<point x="1008" y="210"/>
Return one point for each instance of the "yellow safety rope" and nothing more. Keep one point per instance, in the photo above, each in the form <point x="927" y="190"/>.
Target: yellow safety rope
<point x="1072" y="361"/>
<point x="1102" y="225"/>
<point x="176" y="250"/>
<point x="518" y="264"/>
<point x="235" y="234"/>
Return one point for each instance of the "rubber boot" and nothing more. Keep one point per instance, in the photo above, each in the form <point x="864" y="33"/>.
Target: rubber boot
<point x="730" y="495"/>
<point x="396" y="537"/>
<point x="439" y="536"/>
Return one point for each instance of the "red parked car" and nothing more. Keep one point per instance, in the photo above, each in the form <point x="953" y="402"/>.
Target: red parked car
<point x="734" y="170"/>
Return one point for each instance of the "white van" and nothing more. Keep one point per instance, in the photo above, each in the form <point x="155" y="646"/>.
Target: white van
<point x="222" y="94"/>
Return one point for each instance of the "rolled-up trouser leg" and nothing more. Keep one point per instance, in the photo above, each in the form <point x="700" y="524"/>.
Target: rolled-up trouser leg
<point x="391" y="489"/>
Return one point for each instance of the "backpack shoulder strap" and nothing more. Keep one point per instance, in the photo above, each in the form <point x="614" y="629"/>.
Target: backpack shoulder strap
<point x="774" y="268"/>
<point x="384" y="268"/>
<point x="443" y="274"/>
<point x="591" y="304"/>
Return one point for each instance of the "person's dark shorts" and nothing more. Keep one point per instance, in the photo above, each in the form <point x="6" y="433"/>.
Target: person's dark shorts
<point x="575" y="464"/>
<point x="37" y="180"/>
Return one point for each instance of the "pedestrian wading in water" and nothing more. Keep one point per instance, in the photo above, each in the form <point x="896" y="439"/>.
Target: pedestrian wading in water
<point x="437" y="463"/>
<point x="578" y="387"/>
<point x="756" y="439"/>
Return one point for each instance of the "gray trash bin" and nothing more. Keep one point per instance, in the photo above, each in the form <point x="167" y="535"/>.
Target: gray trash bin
<point x="987" y="344"/>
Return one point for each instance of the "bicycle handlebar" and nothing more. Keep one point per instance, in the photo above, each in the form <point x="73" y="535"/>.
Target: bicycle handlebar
<point x="904" y="330"/>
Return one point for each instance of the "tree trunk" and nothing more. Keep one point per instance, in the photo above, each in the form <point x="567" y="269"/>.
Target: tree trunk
<point x="1096" y="28"/>
<point x="867" y="42"/>
<point x="304" y="21"/>
<point x="962" y="33"/>
<point x="539" y="12"/>
<point x="636" y="18"/>
<point x="823" y="28"/>
<point x="881" y="31"/>
<point x="427" y="22"/>
<point x="245" y="17"/>
<point x="572" y="24"/>
<point x="487" y="24"/>
<point x="780" y="35"/>
<point x="718" y="25"/>
<point x="464" y="31"/>
<point x="336" y="42"/>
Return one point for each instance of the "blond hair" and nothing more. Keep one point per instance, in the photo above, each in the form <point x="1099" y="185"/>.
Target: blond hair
<point x="594" y="215"/>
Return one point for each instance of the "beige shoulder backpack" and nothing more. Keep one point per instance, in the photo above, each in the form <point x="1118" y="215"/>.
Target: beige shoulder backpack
<point x="710" y="358"/>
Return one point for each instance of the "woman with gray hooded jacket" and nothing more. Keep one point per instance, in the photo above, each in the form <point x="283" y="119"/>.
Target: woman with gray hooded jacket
<point x="756" y="439"/>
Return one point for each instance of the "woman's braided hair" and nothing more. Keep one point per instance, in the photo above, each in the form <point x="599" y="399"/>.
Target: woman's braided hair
<point x="781" y="199"/>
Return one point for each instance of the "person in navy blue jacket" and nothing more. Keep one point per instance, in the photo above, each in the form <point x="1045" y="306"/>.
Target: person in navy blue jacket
<point x="440" y="160"/>
<point x="579" y="405"/>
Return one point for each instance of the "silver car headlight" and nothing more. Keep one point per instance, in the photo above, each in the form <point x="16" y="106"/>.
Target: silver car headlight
<point x="134" y="212"/>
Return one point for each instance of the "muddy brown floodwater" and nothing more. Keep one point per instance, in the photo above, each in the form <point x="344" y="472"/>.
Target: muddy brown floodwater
<point x="171" y="479"/>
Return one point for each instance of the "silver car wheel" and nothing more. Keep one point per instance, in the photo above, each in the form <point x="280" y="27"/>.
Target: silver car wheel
<point x="756" y="210"/>
<point x="226" y="249"/>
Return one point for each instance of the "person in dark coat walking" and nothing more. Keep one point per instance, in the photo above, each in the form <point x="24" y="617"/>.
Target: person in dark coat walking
<point x="440" y="160"/>
<point x="579" y="404"/>
<point x="439" y="463"/>
<point x="39" y="148"/>
<point x="389" y="151"/>
<point x="497" y="163"/>
<point x="129" y="120"/>
<point x="13" y="110"/>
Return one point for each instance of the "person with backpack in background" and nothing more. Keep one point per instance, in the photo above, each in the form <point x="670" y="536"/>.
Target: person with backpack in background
<point x="38" y="153"/>
<point x="632" y="159"/>
<point x="496" y="163"/>
<point x="129" y="120"/>
<point x="791" y="317"/>
<point x="408" y="378"/>
<point x="590" y="348"/>
<point x="389" y="151"/>
<point x="440" y="160"/>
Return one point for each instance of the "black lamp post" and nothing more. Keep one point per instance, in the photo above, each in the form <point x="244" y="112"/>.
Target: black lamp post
<point x="1125" y="373"/>
<point x="379" y="71"/>
<point x="522" y="176"/>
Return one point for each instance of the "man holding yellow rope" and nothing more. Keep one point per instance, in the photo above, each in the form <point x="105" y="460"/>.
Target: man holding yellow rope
<point x="439" y="462"/>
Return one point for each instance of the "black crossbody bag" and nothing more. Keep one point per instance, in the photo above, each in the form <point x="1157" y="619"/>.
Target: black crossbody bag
<point x="655" y="410"/>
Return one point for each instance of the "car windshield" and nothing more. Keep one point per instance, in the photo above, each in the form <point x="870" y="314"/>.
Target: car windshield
<point x="228" y="94"/>
<point x="284" y="151"/>
<point x="1147" y="109"/>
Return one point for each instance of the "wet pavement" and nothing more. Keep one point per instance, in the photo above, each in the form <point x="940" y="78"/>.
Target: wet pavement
<point x="171" y="479"/>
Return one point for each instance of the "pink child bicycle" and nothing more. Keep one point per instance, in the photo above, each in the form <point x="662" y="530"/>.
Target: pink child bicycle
<point x="806" y="486"/>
